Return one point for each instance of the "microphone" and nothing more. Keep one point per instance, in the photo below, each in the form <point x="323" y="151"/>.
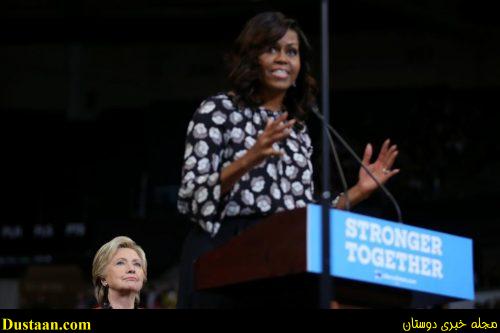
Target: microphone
<point x="341" y="172"/>
<point x="356" y="157"/>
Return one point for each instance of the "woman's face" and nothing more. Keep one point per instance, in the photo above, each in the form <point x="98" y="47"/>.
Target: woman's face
<point x="125" y="272"/>
<point x="280" y="63"/>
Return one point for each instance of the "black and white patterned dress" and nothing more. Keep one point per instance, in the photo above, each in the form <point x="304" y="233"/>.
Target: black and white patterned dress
<point x="220" y="133"/>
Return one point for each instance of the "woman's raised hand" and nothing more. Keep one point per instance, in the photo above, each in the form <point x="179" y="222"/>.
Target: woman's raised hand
<point x="381" y="168"/>
<point x="275" y="131"/>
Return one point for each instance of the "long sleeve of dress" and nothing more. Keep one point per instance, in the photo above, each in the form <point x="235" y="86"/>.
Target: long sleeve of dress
<point x="200" y="190"/>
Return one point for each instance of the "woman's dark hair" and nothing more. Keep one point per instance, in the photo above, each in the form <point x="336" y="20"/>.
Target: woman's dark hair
<point x="261" y="32"/>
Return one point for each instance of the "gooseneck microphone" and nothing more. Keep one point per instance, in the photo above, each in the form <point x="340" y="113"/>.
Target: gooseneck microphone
<point x="341" y="172"/>
<point x="356" y="157"/>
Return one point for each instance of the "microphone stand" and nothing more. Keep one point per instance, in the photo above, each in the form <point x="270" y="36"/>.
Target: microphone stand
<point x="326" y="289"/>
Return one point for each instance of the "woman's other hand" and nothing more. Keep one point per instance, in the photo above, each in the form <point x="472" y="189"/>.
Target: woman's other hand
<point x="381" y="168"/>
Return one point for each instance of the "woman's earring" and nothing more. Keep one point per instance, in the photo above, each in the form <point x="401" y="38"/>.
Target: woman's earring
<point x="104" y="283"/>
<point x="293" y="84"/>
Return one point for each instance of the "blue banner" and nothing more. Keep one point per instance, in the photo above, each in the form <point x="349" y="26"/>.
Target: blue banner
<point x="377" y="251"/>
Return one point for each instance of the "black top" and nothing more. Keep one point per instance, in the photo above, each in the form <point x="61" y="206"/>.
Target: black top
<point x="220" y="133"/>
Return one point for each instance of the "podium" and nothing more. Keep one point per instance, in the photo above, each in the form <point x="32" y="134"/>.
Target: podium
<point x="375" y="263"/>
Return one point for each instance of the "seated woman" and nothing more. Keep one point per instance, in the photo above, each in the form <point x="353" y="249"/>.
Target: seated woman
<point x="119" y="271"/>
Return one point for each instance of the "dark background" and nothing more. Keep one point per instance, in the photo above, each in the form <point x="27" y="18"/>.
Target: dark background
<point x="95" y="98"/>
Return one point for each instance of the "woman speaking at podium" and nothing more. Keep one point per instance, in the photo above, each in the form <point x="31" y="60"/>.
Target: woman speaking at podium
<point x="248" y="151"/>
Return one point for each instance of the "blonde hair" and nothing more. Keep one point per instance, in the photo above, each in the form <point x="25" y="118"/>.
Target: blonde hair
<point x="102" y="259"/>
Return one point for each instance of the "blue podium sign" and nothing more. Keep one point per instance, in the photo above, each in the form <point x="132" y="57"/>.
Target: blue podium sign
<point x="377" y="251"/>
